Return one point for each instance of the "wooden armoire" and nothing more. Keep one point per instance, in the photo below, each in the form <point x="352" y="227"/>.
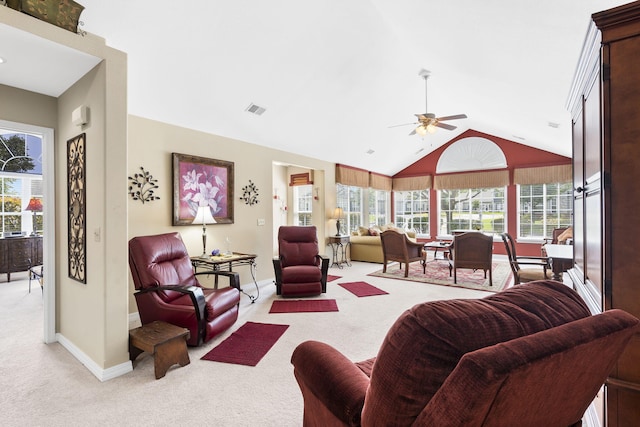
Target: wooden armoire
<point x="605" y="105"/>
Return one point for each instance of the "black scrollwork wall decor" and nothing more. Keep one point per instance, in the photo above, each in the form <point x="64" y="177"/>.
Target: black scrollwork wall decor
<point x="141" y="186"/>
<point x="76" y="200"/>
<point x="250" y="194"/>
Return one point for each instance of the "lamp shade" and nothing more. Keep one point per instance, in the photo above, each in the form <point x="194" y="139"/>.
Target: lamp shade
<point x="203" y="216"/>
<point x="35" y="205"/>
<point x="337" y="213"/>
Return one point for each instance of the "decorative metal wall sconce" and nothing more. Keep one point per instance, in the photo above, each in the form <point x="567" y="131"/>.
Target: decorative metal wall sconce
<point x="250" y="194"/>
<point x="142" y="185"/>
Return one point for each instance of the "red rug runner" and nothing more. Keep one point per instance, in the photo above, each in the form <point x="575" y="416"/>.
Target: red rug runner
<point x="362" y="289"/>
<point x="303" y="306"/>
<point x="331" y="277"/>
<point x="248" y="345"/>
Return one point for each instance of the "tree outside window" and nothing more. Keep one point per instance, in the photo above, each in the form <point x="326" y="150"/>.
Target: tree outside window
<point x="543" y="207"/>
<point x="378" y="207"/>
<point x="471" y="209"/>
<point x="20" y="180"/>
<point x="412" y="210"/>
<point x="303" y="204"/>
<point x="350" y="199"/>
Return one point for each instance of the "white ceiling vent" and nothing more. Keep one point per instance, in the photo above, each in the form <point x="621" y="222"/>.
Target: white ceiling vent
<point x="255" y="109"/>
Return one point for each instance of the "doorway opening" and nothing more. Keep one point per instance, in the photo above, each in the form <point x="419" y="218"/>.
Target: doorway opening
<point x="27" y="203"/>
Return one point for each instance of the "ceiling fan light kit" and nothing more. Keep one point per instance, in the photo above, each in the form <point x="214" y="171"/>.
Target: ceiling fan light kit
<point x="428" y="122"/>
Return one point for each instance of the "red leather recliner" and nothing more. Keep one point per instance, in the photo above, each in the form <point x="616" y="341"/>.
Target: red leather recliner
<point x="169" y="291"/>
<point x="299" y="269"/>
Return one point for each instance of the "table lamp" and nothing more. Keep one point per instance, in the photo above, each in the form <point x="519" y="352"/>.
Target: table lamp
<point x="204" y="217"/>
<point x="337" y="215"/>
<point x="35" y="205"/>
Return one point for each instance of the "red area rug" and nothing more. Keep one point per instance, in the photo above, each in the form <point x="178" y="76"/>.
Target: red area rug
<point x="331" y="277"/>
<point x="303" y="306"/>
<point x="437" y="273"/>
<point x="362" y="289"/>
<point x="248" y="345"/>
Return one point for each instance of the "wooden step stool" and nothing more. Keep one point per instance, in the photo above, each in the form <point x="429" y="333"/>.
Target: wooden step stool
<point x="166" y="342"/>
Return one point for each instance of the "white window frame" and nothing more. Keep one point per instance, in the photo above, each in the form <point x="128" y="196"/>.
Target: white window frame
<point x="470" y="210"/>
<point x="548" y="224"/>
<point x="418" y="207"/>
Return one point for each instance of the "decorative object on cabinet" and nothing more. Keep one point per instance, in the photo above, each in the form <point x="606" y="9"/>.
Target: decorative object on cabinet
<point x="76" y="200"/>
<point x="204" y="217"/>
<point x="250" y="194"/>
<point x="199" y="181"/>
<point x="35" y="206"/>
<point x="63" y="13"/>
<point x="142" y="185"/>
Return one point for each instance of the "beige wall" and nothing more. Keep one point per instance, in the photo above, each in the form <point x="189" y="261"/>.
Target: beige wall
<point x="22" y="106"/>
<point x="150" y="146"/>
<point x="91" y="318"/>
<point x="94" y="315"/>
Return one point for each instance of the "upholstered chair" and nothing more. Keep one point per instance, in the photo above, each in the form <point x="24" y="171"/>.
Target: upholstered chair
<point x="299" y="268"/>
<point x="525" y="268"/>
<point x="398" y="247"/>
<point x="515" y="358"/>
<point x="471" y="250"/>
<point x="168" y="290"/>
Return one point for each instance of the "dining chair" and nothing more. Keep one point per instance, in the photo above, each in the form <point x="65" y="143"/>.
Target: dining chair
<point x="536" y="268"/>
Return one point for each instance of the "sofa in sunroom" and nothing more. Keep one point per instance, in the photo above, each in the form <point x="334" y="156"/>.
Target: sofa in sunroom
<point x="366" y="244"/>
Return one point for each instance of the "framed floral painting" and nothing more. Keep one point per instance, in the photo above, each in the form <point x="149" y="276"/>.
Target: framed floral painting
<point x="199" y="181"/>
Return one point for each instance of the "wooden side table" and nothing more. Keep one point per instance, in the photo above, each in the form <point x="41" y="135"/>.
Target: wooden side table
<point x="166" y="342"/>
<point x="339" y="244"/>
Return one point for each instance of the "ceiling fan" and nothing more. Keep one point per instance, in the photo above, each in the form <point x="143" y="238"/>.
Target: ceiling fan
<point x="428" y="122"/>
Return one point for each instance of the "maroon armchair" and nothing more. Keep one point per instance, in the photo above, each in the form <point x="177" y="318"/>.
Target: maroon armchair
<point x="514" y="358"/>
<point x="299" y="269"/>
<point x="168" y="290"/>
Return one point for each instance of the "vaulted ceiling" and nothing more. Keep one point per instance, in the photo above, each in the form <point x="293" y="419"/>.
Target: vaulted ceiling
<point x="333" y="76"/>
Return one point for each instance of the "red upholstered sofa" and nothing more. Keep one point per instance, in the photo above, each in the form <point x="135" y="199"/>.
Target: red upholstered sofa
<point x="515" y="358"/>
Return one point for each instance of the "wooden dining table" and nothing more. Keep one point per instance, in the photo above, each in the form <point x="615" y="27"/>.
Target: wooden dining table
<point x="561" y="258"/>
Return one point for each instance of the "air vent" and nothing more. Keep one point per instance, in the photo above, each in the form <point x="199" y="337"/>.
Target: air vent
<point x="255" y="109"/>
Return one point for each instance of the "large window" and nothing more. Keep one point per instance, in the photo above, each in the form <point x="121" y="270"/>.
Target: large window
<point x="349" y="198"/>
<point x="472" y="209"/>
<point x="412" y="210"/>
<point x="378" y="207"/>
<point x="20" y="182"/>
<point x="303" y="197"/>
<point x="543" y="207"/>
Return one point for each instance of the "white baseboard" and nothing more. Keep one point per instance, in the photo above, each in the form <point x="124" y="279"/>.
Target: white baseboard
<point x="100" y="373"/>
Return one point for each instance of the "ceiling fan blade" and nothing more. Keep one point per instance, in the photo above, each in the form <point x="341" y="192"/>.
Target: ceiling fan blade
<point x="456" y="117"/>
<point x="405" y="124"/>
<point x="413" y="132"/>
<point x="444" y="126"/>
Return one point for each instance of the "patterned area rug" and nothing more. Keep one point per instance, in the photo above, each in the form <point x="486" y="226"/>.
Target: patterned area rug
<point x="248" y="345"/>
<point x="437" y="272"/>
<point x="331" y="277"/>
<point x="362" y="289"/>
<point x="303" y="306"/>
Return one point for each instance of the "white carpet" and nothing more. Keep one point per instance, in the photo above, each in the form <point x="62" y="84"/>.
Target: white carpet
<point x="44" y="385"/>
